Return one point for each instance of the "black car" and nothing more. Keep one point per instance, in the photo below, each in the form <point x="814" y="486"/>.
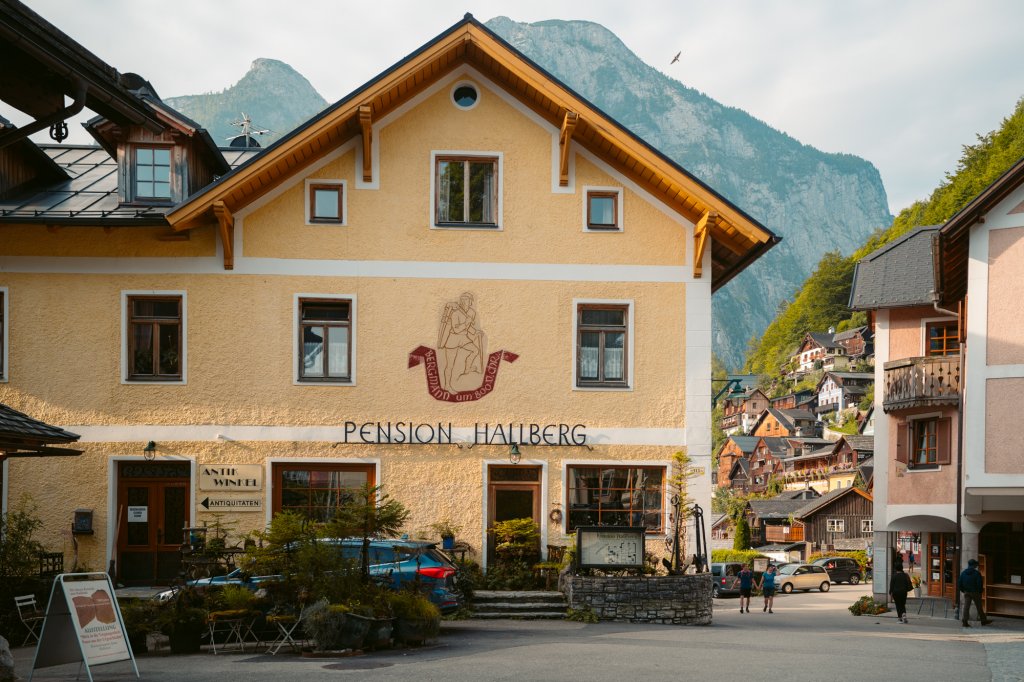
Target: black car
<point x="840" y="569"/>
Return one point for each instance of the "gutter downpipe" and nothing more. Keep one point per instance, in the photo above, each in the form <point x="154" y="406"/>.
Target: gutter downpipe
<point x="959" y="447"/>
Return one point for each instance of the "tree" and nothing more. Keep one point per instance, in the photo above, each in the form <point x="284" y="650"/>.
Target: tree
<point x="742" y="539"/>
<point x="371" y="513"/>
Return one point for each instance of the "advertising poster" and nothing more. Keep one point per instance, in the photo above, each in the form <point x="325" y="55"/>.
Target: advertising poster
<point x="96" y="621"/>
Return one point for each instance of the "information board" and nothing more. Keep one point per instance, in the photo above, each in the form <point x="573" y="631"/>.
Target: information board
<point x="83" y="610"/>
<point x="610" y="547"/>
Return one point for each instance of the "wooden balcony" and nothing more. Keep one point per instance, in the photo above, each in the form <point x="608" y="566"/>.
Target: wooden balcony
<point x="921" y="382"/>
<point x="784" y="533"/>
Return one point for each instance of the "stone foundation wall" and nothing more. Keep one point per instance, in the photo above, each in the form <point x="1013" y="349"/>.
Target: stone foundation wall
<point x="670" y="600"/>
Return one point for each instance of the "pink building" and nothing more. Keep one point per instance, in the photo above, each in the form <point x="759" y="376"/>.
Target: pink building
<point x="949" y="369"/>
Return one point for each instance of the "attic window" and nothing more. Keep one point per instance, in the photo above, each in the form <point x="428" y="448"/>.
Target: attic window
<point x="465" y="96"/>
<point x="603" y="209"/>
<point x="152" y="173"/>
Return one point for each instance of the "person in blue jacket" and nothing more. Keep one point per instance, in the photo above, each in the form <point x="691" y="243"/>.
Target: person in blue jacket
<point x="768" y="588"/>
<point x="746" y="585"/>
<point x="971" y="584"/>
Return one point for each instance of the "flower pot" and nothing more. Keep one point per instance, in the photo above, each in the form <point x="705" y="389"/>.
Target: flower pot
<point x="379" y="636"/>
<point x="415" y="631"/>
<point x="917" y="592"/>
<point x="448" y="542"/>
<point x="333" y="631"/>
<point x="185" y="640"/>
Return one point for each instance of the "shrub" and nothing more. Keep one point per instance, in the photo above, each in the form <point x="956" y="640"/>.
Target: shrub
<point x="743" y="556"/>
<point x="867" y="605"/>
<point x="860" y="556"/>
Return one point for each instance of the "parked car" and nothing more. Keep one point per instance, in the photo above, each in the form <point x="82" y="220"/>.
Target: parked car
<point x="840" y="569"/>
<point x="393" y="563"/>
<point x="725" y="578"/>
<point x="802" y="577"/>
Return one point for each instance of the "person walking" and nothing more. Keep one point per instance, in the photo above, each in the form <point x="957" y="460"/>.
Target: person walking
<point x="746" y="585"/>
<point x="971" y="584"/>
<point x="767" y="586"/>
<point x="899" y="586"/>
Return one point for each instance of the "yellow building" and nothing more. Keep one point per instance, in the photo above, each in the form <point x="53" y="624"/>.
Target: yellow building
<point x="460" y="261"/>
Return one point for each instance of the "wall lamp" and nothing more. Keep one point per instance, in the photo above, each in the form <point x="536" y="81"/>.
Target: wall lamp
<point x="513" y="453"/>
<point x="149" y="452"/>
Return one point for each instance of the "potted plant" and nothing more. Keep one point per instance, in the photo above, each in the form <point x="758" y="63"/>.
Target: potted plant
<point x="334" y="627"/>
<point x="416" y="619"/>
<point x="138" y="618"/>
<point x="915" y="580"/>
<point x="447" y="531"/>
<point x="183" y="620"/>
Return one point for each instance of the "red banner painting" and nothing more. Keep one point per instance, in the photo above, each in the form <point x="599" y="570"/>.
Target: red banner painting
<point x="428" y="356"/>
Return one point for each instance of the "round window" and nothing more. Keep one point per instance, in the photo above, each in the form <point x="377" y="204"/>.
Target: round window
<point x="465" y="96"/>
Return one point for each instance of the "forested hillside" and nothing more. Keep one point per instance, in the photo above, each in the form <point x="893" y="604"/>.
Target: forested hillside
<point x="822" y="301"/>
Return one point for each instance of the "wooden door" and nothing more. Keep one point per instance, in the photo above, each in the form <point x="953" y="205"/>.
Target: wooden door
<point x="942" y="569"/>
<point x="153" y="508"/>
<point x="513" y="492"/>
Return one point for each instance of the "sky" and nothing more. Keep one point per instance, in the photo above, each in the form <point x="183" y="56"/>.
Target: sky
<point x="902" y="83"/>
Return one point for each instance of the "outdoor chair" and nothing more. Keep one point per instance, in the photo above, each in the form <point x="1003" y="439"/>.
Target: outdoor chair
<point x="30" y="615"/>
<point x="287" y="626"/>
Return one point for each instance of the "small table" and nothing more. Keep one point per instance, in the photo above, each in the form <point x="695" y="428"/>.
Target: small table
<point x="459" y="548"/>
<point x="236" y="623"/>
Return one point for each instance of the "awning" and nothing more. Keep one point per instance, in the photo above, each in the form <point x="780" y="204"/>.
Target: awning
<point x="23" y="436"/>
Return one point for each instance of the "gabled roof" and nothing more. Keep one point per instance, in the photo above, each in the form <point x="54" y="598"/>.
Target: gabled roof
<point x="741" y="467"/>
<point x="955" y="234"/>
<point x="778" y="446"/>
<point x="898" y="275"/>
<point x="745" y="444"/>
<point x="776" y="508"/>
<point x="23" y="436"/>
<point x="823" y="339"/>
<point x="828" y="498"/>
<point x="840" y="378"/>
<point x="860" y="443"/>
<point x="850" y="333"/>
<point x="737" y="239"/>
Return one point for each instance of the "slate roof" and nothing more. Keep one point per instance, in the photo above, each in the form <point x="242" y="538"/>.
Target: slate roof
<point x="776" y="508"/>
<point x="848" y="334"/>
<point x="823" y="339"/>
<point x="816" y="504"/>
<point x="780" y="547"/>
<point x="746" y="444"/>
<point x="861" y="443"/>
<point x="21" y="435"/>
<point x="91" y="190"/>
<point x="778" y="446"/>
<point x="897" y="275"/>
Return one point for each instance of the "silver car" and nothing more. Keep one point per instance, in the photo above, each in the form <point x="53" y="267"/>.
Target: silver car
<point x="802" y="577"/>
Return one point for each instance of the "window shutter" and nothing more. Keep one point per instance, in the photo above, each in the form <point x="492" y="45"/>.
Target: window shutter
<point x="943" y="446"/>
<point x="903" y="443"/>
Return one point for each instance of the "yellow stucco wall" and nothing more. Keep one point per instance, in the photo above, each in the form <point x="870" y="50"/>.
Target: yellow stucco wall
<point x="66" y="330"/>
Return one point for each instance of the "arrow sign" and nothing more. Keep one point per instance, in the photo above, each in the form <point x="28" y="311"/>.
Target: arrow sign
<point x="232" y="503"/>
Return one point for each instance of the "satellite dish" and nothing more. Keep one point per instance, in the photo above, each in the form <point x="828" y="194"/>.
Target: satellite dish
<point x="246" y="138"/>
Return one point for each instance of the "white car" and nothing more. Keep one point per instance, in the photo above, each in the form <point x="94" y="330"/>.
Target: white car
<point x="802" y="577"/>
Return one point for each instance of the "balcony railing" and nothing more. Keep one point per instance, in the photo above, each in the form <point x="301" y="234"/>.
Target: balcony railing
<point x="921" y="382"/>
<point x="784" y="533"/>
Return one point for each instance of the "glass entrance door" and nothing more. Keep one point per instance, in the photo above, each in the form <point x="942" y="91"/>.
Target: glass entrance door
<point x="940" y="571"/>
<point x="513" y="492"/>
<point x="152" y="513"/>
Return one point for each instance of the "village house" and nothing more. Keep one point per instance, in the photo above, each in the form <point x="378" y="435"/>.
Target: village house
<point x="741" y="410"/>
<point x="946" y="307"/>
<point x="784" y="423"/>
<point x="801" y="400"/>
<point x="733" y="449"/>
<point x="840" y="390"/>
<point x="812" y="352"/>
<point x="857" y="343"/>
<point x="347" y="307"/>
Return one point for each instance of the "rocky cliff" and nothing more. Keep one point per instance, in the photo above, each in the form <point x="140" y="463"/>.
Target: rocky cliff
<point x="816" y="201"/>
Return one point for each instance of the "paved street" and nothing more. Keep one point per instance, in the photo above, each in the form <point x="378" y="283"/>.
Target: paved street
<point x="809" y="637"/>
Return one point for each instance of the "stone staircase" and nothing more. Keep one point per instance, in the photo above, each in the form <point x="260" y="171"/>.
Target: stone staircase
<point x="522" y="605"/>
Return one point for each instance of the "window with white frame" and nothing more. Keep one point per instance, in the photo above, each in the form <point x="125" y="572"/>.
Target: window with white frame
<point x="602" y="345"/>
<point x="155" y="337"/>
<point x="836" y="525"/>
<point x="325" y="340"/>
<point x="326" y="202"/>
<point x="867" y="525"/>
<point x="466" y="191"/>
<point x="151" y="170"/>
<point x="602" y="209"/>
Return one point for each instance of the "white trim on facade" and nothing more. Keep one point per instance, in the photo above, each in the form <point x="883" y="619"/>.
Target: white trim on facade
<point x="112" y="516"/>
<point x="308" y="206"/>
<point x="620" y="225"/>
<point x="630" y="334"/>
<point x="351" y="340"/>
<point x="458" y="84"/>
<point x="697" y="342"/>
<point x="500" y="189"/>
<point x="125" y="293"/>
<point x="268" y="473"/>
<point x="5" y="318"/>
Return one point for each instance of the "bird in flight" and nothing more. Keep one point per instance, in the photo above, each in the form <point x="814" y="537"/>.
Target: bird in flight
<point x="676" y="58"/>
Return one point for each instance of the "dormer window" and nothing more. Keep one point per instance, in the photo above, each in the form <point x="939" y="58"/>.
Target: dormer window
<point x="152" y="174"/>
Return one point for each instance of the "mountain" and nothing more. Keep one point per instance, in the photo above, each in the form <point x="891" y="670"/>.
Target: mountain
<point x="816" y="201"/>
<point x="822" y="300"/>
<point x="273" y="94"/>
